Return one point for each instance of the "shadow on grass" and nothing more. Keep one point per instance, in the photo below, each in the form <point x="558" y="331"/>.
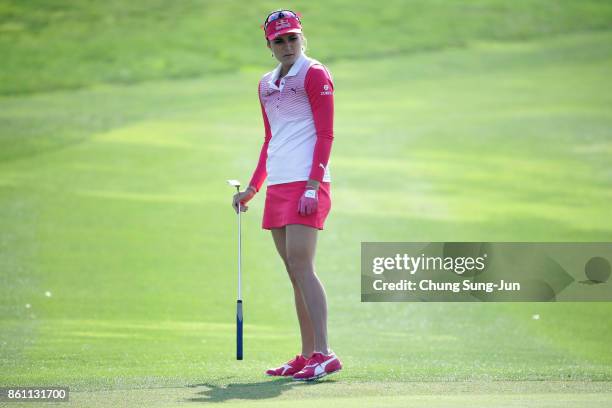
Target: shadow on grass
<point x="251" y="391"/>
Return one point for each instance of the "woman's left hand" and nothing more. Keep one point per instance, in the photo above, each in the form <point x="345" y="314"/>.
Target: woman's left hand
<point x="309" y="202"/>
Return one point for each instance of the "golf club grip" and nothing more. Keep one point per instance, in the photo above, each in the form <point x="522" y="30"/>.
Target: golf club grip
<point x="239" y="330"/>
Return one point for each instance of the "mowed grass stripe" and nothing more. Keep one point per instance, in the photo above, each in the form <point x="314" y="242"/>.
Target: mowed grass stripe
<point x="367" y="394"/>
<point x="58" y="44"/>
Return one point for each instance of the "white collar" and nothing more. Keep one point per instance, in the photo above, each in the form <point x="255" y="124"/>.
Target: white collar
<point x="295" y="68"/>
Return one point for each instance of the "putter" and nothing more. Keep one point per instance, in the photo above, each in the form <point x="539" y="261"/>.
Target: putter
<point x="236" y="183"/>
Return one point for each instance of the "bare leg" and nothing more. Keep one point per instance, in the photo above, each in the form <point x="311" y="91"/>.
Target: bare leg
<point x="306" y="329"/>
<point x="301" y="245"/>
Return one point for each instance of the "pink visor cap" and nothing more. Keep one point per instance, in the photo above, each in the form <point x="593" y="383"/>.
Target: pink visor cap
<point x="282" y="26"/>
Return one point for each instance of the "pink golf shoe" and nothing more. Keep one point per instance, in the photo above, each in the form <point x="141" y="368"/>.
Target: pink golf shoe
<point x="289" y="368"/>
<point x="318" y="365"/>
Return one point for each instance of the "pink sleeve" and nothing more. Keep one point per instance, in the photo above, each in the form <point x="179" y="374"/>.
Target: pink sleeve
<point x="259" y="175"/>
<point x="320" y="90"/>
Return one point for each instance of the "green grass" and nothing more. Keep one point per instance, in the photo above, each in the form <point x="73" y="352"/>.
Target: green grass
<point x="51" y="45"/>
<point x="113" y="198"/>
<point x="371" y="394"/>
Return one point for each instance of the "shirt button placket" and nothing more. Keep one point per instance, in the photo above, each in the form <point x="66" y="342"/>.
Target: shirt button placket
<point x="282" y="83"/>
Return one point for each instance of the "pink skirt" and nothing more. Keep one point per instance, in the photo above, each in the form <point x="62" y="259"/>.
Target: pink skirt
<point x="282" y="206"/>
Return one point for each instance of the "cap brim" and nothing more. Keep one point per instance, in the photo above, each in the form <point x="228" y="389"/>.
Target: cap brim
<point x="286" y="31"/>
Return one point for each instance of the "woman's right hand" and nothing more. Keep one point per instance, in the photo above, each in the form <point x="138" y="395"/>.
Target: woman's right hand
<point x="244" y="197"/>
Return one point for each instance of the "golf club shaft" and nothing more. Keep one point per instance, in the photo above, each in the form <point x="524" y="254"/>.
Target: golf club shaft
<point x="239" y="254"/>
<point x="239" y="301"/>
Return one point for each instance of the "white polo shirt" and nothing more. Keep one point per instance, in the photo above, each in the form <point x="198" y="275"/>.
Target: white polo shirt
<point x="289" y="113"/>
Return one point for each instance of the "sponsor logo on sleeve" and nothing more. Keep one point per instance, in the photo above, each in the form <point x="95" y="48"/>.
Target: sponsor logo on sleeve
<point x="326" y="90"/>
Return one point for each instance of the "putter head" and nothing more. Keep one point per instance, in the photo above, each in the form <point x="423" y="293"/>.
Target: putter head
<point x="234" y="183"/>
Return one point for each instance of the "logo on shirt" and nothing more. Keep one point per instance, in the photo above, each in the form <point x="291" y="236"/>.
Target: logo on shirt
<point x="282" y="23"/>
<point x="326" y="90"/>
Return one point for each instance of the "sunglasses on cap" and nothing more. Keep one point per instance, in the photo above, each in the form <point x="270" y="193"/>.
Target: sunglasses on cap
<point x="275" y="15"/>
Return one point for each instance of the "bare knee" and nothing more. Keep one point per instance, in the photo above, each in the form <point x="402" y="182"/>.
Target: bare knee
<point x="299" y="268"/>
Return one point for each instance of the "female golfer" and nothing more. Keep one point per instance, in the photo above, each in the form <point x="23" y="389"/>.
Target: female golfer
<point x="298" y="110"/>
